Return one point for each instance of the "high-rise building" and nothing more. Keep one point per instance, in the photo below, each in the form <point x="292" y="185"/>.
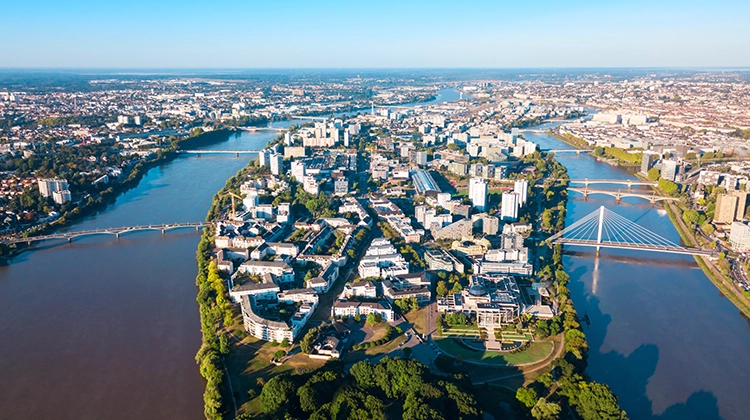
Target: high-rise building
<point x="277" y="164"/>
<point x="509" y="209"/>
<point x="647" y="160"/>
<point x="740" y="236"/>
<point x="298" y="170"/>
<point x="741" y="204"/>
<point x="48" y="186"/>
<point x="421" y="158"/>
<point x="61" y="196"/>
<point x="288" y="138"/>
<point x="137" y="120"/>
<point x="521" y="187"/>
<point x="669" y="169"/>
<point x="346" y="138"/>
<point x="478" y="193"/>
<point x="264" y="158"/>
<point x="726" y="208"/>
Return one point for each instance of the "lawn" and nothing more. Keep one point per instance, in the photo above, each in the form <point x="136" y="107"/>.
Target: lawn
<point x="536" y="352"/>
<point x="247" y="363"/>
<point x="359" y="355"/>
<point x="418" y="319"/>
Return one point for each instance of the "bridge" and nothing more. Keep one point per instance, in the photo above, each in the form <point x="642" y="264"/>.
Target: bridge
<point x="253" y="129"/>
<point x="215" y="152"/>
<point x="558" y="151"/>
<point x="307" y="117"/>
<point x="628" y="182"/>
<point x="653" y="198"/>
<point x="604" y="228"/>
<point x="107" y="231"/>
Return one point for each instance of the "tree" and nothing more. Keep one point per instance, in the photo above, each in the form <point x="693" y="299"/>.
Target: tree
<point x="668" y="186"/>
<point x="575" y="343"/>
<point x="653" y="174"/>
<point x="544" y="410"/>
<point x="597" y="402"/>
<point x="307" y="398"/>
<point x="690" y="217"/>
<point x="527" y="396"/>
<point x="599" y="151"/>
<point x="278" y="354"/>
<point x="285" y="343"/>
<point x="546" y="380"/>
<point x="276" y="394"/>
<point x="306" y="344"/>
<point x="441" y="289"/>
<point x="371" y="319"/>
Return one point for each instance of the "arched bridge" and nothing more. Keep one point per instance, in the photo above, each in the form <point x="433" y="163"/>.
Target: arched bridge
<point x="653" y="198"/>
<point x="107" y="231"/>
<point x="628" y="182"/>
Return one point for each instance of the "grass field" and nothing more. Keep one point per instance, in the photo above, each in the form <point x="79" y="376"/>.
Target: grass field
<point x="536" y="352"/>
<point x="418" y="319"/>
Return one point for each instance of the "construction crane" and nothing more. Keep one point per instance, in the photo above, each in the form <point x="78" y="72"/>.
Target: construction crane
<point x="233" y="195"/>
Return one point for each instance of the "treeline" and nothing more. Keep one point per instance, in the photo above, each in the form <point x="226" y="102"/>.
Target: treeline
<point x="394" y="388"/>
<point x="214" y="311"/>
<point x="542" y="398"/>
<point x="617" y="153"/>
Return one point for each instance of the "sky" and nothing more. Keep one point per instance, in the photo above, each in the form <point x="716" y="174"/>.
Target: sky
<point x="374" y="34"/>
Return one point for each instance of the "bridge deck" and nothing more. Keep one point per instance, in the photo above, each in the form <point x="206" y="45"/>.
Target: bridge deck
<point x="643" y="247"/>
<point x="104" y="231"/>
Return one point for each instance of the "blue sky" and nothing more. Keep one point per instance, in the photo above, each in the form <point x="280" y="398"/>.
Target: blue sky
<point x="358" y="34"/>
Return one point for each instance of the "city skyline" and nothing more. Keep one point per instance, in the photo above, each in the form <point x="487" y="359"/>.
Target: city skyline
<point x="387" y="35"/>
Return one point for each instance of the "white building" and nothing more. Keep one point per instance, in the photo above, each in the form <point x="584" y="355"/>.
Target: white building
<point x="382" y="260"/>
<point x="669" y="169"/>
<point x="478" y="193"/>
<point x="509" y="209"/>
<point x="277" y="164"/>
<point x="351" y="309"/>
<point x="61" y="196"/>
<point x="298" y="170"/>
<point x="521" y="187"/>
<point x="740" y="236"/>
<point x="49" y="186"/>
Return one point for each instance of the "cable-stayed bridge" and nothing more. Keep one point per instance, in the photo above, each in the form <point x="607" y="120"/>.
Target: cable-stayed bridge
<point x="604" y="228"/>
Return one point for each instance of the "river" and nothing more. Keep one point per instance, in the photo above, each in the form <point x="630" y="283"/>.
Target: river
<point x="108" y="328"/>
<point x="661" y="335"/>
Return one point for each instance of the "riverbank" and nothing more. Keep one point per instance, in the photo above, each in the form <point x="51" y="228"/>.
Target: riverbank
<point x="109" y="196"/>
<point x="707" y="266"/>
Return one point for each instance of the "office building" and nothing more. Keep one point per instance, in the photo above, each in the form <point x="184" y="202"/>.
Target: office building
<point x="509" y="209"/>
<point x="478" y="193"/>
